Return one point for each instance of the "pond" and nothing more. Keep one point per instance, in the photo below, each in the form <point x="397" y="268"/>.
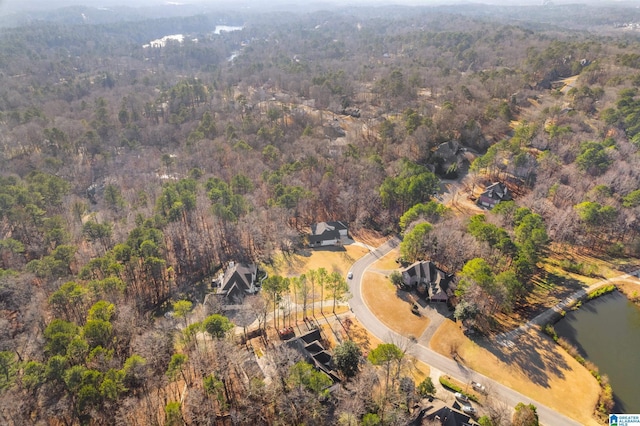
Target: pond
<point x="606" y="331"/>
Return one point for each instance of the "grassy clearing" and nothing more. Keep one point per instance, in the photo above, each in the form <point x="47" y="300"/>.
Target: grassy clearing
<point x="369" y="237"/>
<point x="419" y="371"/>
<point x="535" y="366"/>
<point x="391" y="306"/>
<point x="566" y="260"/>
<point x="351" y="329"/>
<point x="356" y="332"/>
<point x="462" y="206"/>
<point x="331" y="258"/>
<point x="333" y="334"/>
<point x="327" y="311"/>
<point x="388" y="262"/>
<point x="630" y="290"/>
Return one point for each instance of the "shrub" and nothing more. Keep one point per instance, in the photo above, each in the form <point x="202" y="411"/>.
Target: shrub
<point x="579" y="268"/>
<point x="601" y="291"/>
<point x="447" y="384"/>
<point x="593" y="369"/>
<point x="444" y="381"/>
<point x="616" y="250"/>
<point x="550" y="331"/>
<point x="396" y="279"/>
<point x="606" y="403"/>
<point x="426" y="388"/>
<point x="571" y="350"/>
<point x="370" y="419"/>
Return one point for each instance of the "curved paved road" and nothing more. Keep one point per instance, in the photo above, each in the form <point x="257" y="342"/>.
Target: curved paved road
<point x="377" y="328"/>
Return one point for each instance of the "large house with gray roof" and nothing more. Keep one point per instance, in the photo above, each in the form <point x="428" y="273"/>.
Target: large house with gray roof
<point x="238" y="281"/>
<point x="428" y="280"/>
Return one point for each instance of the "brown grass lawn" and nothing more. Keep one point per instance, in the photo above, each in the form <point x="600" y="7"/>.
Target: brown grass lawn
<point x="349" y="328"/>
<point x="367" y="236"/>
<point x="536" y="367"/>
<point x="462" y="206"/>
<point x="595" y="268"/>
<point x="419" y="371"/>
<point x="391" y="306"/>
<point x="327" y="312"/>
<point x="331" y="258"/>
<point x="388" y="262"/>
<point x="630" y="290"/>
<point x="362" y="337"/>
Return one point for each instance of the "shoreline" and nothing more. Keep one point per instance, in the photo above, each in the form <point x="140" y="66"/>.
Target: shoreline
<point x="631" y="291"/>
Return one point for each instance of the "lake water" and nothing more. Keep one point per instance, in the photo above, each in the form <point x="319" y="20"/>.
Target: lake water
<point x="606" y="331"/>
<point x="162" y="42"/>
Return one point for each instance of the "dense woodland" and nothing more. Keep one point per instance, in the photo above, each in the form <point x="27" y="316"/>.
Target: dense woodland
<point x="128" y="175"/>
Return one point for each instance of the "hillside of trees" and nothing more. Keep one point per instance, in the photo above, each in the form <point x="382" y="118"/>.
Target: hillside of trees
<point x="130" y="174"/>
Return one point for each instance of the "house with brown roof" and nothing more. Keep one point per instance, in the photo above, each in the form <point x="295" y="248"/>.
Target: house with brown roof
<point x="328" y="234"/>
<point x="493" y="194"/>
<point x="428" y="280"/>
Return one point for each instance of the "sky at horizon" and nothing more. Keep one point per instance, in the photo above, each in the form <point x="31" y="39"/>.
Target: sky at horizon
<point x="16" y="6"/>
<point x="52" y="4"/>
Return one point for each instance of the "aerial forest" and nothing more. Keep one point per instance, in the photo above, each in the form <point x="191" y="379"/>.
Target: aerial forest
<point x="131" y="172"/>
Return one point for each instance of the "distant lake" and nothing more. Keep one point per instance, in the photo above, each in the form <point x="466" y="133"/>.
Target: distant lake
<point x="606" y="331"/>
<point x="162" y="42"/>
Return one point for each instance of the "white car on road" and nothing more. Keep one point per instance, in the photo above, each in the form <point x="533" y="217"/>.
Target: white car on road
<point x="478" y="387"/>
<point x="468" y="409"/>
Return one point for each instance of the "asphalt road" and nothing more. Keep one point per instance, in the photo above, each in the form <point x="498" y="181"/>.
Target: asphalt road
<point x="448" y="366"/>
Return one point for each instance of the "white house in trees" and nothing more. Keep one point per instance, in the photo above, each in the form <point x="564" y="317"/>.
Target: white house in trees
<point x="328" y="234"/>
